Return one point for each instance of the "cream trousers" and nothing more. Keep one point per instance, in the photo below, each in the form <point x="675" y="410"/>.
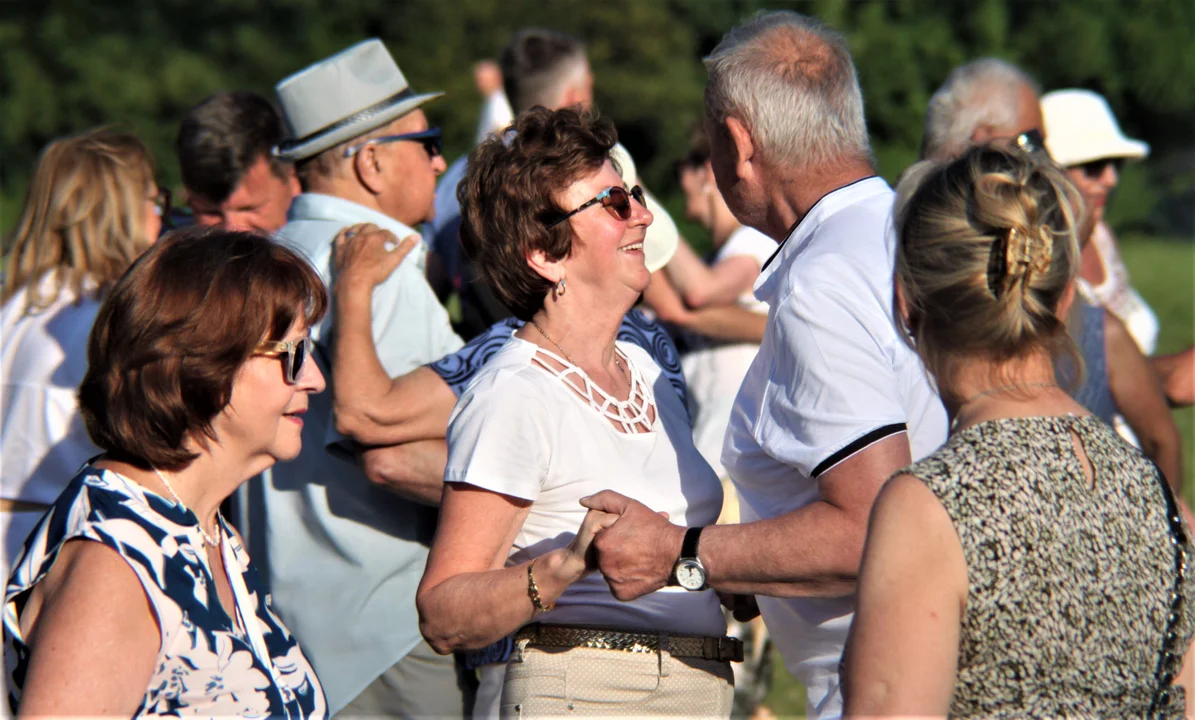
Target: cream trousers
<point x="557" y="682"/>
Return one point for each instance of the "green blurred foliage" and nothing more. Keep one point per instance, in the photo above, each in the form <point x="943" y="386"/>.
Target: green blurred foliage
<point x="67" y="65"/>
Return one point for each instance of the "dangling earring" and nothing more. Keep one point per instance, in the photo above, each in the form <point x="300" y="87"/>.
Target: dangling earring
<point x="561" y="287"/>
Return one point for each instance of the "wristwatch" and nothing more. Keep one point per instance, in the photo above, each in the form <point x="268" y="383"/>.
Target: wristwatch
<point x="688" y="572"/>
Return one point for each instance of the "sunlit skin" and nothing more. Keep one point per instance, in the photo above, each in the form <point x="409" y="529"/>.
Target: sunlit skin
<point x="265" y="413"/>
<point x="610" y="259"/>
<point x="153" y="221"/>
<point x="409" y="165"/>
<point x="258" y="203"/>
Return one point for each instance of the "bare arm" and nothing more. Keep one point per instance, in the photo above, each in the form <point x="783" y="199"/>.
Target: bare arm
<point x="468" y="598"/>
<point x="1177" y="373"/>
<point x="701" y="285"/>
<point x="810" y="552"/>
<point x="728" y="322"/>
<point x="93" y="638"/>
<point x="902" y="654"/>
<point x="369" y="406"/>
<point x="1139" y="399"/>
<point x="414" y="470"/>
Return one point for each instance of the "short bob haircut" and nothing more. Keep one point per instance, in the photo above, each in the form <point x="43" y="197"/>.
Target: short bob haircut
<point x="174" y="331"/>
<point x="507" y="198"/>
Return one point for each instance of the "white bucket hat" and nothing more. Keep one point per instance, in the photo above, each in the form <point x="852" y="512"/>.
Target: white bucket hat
<point x="1080" y="127"/>
<point x="340" y="98"/>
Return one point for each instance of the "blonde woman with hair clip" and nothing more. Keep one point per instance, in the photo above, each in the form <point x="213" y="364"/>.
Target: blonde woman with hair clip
<point x="1036" y="564"/>
<point x="92" y="208"/>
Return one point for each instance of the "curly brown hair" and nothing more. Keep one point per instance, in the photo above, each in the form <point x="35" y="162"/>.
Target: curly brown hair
<point x="507" y="198"/>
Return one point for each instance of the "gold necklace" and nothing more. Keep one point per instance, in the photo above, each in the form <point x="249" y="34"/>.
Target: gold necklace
<point x="617" y="363"/>
<point x="999" y="389"/>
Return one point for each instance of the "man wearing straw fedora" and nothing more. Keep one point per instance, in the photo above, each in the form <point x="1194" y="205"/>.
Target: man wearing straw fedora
<point x="344" y="556"/>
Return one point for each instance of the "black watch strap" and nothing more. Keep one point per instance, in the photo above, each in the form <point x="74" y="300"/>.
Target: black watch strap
<point x="688" y="548"/>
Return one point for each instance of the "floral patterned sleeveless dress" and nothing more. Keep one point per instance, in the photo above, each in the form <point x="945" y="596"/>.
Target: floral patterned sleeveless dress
<point x="1071" y="583"/>
<point x="209" y="664"/>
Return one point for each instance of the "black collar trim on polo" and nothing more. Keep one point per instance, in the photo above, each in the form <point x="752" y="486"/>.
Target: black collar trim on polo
<point x="798" y="222"/>
<point x="375" y="109"/>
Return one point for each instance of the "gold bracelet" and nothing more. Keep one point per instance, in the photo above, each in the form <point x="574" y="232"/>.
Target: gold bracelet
<point x="533" y="591"/>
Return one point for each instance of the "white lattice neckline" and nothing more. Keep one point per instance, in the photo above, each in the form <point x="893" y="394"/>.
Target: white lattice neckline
<point x="632" y="416"/>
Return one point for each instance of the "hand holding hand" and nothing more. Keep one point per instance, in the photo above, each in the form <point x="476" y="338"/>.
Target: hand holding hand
<point x="581" y="556"/>
<point x="365" y="255"/>
<point x="636" y="553"/>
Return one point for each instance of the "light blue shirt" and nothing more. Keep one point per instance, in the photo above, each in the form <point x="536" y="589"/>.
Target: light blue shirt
<point x="344" y="557"/>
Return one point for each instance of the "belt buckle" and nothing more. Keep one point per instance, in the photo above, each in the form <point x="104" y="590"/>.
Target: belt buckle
<point x="723" y="649"/>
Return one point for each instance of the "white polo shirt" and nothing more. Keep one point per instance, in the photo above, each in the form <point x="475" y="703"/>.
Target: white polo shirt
<point x="832" y="377"/>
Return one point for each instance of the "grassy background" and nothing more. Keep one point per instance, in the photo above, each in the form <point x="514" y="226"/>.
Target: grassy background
<point x="1163" y="271"/>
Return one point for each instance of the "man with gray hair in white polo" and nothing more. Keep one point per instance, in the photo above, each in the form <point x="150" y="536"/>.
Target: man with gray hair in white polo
<point x="836" y="401"/>
<point x="344" y="556"/>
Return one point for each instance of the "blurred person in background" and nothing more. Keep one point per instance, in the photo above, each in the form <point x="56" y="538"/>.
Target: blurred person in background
<point x="344" y="555"/>
<point x="496" y="113"/>
<point x="1036" y="565"/>
<point x="224" y="147"/>
<point x="714" y="369"/>
<point x="539" y="67"/>
<point x="1084" y="137"/>
<point x="563" y="410"/>
<point x="834" y="402"/>
<point x="992" y="101"/>
<point x="133" y="597"/>
<point x="982" y="101"/>
<point x="92" y="208"/>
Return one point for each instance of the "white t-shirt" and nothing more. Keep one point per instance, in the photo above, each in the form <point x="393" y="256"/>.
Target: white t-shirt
<point x="520" y="431"/>
<point x="44" y="359"/>
<point x="832" y="377"/>
<point x="714" y="370"/>
<point x="42" y="439"/>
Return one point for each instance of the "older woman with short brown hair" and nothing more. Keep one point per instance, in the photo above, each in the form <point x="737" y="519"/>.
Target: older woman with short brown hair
<point x="133" y="596"/>
<point x="563" y="411"/>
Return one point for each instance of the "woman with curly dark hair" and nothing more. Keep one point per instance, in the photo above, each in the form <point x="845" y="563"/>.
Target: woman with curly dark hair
<point x="562" y="411"/>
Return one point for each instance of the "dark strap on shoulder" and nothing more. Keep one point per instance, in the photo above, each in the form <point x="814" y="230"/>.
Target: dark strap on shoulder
<point x="1170" y="658"/>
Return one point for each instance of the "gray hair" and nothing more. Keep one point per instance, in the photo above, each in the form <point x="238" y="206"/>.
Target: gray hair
<point x="791" y="81"/>
<point x="982" y="92"/>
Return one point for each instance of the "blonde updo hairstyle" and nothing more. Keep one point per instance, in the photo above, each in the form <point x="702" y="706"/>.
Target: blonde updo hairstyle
<point x="986" y="249"/>
<point x="83" y="217"/>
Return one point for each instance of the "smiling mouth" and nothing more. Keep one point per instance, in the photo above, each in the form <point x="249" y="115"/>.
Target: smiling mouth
<point x="632" y="247"/>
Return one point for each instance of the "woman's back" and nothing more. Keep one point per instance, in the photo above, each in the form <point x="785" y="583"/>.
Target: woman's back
<point x="1070" y="581"/>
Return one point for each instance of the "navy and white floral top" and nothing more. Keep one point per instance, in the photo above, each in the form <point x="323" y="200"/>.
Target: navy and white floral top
<point x="458" y="368"/>
<point x="209" y="664"/>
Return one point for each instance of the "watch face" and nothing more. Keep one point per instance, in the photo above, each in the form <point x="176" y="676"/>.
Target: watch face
<point x="690" y="575"/>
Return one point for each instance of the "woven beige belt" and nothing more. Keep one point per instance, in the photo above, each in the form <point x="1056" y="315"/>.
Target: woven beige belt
<point x="682" y="646"/>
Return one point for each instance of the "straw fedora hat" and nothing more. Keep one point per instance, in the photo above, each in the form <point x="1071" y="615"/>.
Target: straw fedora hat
<point x="347" y="95"/>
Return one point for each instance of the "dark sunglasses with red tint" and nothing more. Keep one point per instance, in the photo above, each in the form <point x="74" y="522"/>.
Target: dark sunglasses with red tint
<point x="1094" y="169"/>
<point x="293" y="355"/>
<point x="615" y="199"/>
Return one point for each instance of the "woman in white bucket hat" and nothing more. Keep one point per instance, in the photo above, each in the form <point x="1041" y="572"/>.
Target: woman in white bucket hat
<point x="1084" y="137"/>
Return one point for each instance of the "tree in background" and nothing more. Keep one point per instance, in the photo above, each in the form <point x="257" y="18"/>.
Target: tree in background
<point x="66" y="65"/>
